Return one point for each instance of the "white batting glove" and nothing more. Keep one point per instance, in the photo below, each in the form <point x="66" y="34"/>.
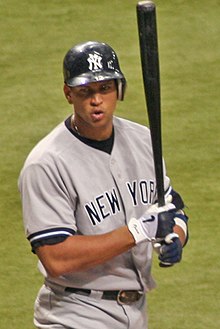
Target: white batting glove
<point x="156" y="223"/>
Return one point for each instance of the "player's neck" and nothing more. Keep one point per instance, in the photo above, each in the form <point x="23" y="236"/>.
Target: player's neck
<point x="92" y="131"/>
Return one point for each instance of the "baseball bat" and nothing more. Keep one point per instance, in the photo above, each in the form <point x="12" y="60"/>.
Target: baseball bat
<point x="147" y="30"/>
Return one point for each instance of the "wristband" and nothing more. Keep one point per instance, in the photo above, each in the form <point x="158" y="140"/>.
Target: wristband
<point x="178" y="221"/>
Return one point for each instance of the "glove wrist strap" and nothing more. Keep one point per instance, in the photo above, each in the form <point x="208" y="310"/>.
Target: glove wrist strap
<point x="137" y="231"/>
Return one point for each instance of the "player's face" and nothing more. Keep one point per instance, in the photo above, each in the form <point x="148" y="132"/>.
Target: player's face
<point x="94" y="105"/>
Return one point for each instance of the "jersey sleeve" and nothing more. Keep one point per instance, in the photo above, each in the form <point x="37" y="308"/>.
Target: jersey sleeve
<point x="48" y="210"/>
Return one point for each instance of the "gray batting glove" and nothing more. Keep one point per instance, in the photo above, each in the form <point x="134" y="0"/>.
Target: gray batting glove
<point x="155" y="224"/>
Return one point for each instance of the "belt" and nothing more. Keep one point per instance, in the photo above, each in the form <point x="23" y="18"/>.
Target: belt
<point x="121" y="296"/>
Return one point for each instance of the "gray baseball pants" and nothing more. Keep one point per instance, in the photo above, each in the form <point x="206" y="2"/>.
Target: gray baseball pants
<point x="58" y="309"/>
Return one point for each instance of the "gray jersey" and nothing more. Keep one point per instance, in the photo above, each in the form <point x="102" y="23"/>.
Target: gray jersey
<point x="69" y="188"/>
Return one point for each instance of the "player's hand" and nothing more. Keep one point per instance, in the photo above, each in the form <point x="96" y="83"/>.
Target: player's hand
<point x="156" y="223"/>
<point x="165" y="223"/>
<point x="170" y="251"/>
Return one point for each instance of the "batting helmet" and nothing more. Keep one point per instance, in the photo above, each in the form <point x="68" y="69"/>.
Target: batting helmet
<point x="93" y="61"/>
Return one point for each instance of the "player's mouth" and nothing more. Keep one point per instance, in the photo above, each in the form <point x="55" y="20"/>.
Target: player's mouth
<point x="97" y="115"/>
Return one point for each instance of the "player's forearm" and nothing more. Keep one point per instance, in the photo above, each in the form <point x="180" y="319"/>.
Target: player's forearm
<point x="79" y="253"/>
<point x="177" y="229"/>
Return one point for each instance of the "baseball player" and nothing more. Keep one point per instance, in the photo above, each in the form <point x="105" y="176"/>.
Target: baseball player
<point x="90" y="205"/>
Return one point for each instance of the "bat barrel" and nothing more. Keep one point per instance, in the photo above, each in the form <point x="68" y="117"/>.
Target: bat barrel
<point x="147" y="28"/>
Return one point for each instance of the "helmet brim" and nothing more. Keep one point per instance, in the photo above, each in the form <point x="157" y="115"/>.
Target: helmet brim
<point x="96" y="76"/>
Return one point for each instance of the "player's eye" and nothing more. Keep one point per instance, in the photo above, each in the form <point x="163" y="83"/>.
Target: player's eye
<point x="83" y="92"/>
<point x="88" y="91"/>
<point x="107" y="87"/>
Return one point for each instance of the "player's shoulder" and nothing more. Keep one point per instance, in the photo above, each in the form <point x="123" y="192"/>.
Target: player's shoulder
<point x="130" y="127"/>
<point x="50" y="145"/>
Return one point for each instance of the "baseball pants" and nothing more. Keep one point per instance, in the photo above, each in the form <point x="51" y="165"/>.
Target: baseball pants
<point x="58" y="309"/>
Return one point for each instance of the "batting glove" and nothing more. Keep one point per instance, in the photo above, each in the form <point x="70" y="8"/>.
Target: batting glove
<point x="154" y="225"/>
<point x="170" y="251"/>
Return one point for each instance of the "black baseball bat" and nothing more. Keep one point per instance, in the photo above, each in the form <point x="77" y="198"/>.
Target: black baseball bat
<point x="147" y="30"/>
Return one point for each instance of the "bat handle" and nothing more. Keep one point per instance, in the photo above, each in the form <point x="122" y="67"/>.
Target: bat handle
<point x="161" y="200"/>
<point x="160" y="185"/>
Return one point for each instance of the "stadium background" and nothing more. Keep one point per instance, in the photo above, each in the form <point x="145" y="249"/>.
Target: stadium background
<point x="35" y="35"/>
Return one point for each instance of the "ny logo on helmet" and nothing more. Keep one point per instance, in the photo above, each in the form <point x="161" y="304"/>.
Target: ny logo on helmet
<point x="94" y="62"/>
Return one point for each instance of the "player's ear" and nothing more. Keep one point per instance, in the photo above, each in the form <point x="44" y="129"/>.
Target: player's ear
<point x="67" y="93"/>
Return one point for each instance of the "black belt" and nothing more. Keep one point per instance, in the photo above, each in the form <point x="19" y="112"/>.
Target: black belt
<point x="121" y="296"/>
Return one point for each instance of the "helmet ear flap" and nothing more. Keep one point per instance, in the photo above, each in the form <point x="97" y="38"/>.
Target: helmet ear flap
<point x="121" y="86"/>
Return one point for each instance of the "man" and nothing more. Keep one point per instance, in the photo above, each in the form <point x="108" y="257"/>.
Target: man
<point x="89" y="205"/>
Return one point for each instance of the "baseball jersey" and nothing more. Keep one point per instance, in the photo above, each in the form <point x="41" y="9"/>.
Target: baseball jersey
<point x="69" y="187"/>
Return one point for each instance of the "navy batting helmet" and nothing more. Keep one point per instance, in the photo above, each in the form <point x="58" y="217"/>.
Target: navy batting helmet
<point x="93" y="61"/>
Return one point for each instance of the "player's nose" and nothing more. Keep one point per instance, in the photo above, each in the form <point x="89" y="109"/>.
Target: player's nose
<point x="96" y="99"/>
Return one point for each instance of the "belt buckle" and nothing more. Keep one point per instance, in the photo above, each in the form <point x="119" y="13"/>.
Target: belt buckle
<point x="127" y="297"/>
